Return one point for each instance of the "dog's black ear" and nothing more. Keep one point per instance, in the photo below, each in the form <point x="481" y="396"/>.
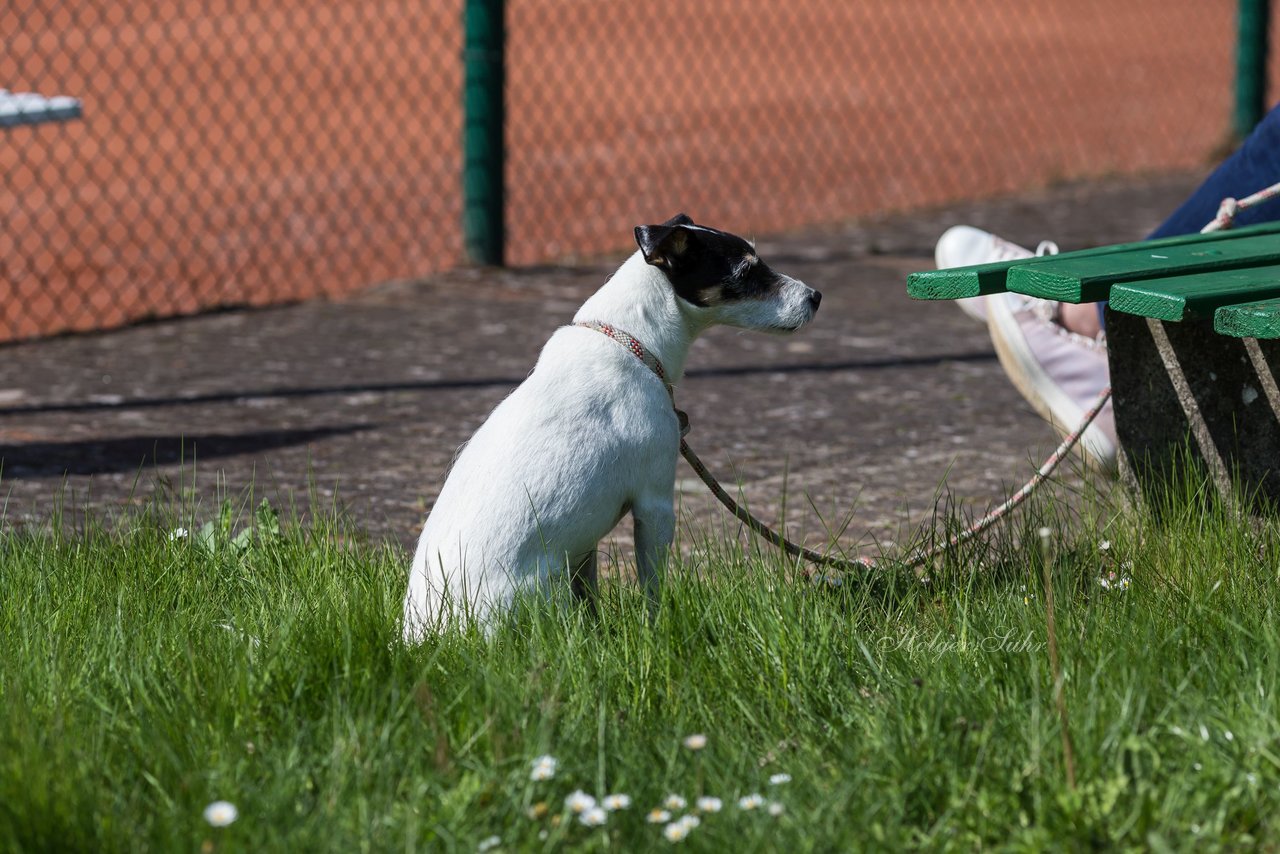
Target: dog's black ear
<point x="662" y="245"/>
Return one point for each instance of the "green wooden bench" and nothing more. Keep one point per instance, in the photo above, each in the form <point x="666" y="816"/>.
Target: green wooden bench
<point x="1193" y="340"/>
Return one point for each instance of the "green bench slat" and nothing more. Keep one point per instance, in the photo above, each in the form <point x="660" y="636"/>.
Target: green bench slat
<point x="1075" y="279"/>
<point x="1249" y="320"/>
<point x="1175" y="297"/>
<point x="960" y="282"/>
<point x="981" y="279"/>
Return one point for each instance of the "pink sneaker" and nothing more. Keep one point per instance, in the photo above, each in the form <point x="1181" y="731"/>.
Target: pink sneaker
<point x="964" y="245"/>
<point x="1059" y="372"/>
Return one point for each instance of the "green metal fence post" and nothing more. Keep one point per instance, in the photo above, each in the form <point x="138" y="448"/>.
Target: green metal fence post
<point x="483" y="153"/>
<point x="1251" y="65"/>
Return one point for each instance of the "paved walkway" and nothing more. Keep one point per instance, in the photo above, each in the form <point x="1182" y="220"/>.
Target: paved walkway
<point x="364" y="400"/>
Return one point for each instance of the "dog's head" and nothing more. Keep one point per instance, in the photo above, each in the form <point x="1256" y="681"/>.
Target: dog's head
<point x="720" y="276"/>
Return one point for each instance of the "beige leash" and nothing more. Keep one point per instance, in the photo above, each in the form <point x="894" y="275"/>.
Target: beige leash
<point x="650" y="361"/>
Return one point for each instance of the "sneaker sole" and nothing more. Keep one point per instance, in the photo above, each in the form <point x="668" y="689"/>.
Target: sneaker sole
<point x="1042" y="392"/>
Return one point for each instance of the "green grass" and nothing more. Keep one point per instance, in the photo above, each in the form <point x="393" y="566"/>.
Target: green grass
<point x="144" y="676"/>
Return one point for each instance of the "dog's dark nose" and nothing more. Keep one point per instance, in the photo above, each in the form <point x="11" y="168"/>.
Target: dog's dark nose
<point x="815" y="297"/>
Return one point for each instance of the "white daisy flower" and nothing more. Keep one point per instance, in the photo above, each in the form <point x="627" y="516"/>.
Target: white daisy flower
<point x="697" y="741"/>
<point x="776" y="809"/>
<point x="579" y="801"/>
<point x="221" y="813"/>
<point x="751" y="802"/>
<point x="177" y="534"/>
<point x="616" y="802"/>
<point x="658" y="816"/>
<point x="1104" y="545"/>
<point x="779" y="779"/>
<point x="674" y="802"/>
<point x="690" y="821"/>
<point x="1111" y="581"/>
<point x="708" y="804"/>
<point x="544" y="768"/>
<point x="486" y="844"/>
<point x="675" y="832"/>
<point x="593" y="817"/>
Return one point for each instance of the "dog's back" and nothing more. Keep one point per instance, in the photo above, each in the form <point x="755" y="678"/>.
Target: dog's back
<point x="546" y="477"/>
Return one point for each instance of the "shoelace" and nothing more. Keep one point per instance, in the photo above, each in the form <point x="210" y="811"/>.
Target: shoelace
<point x="1006" y="251"/>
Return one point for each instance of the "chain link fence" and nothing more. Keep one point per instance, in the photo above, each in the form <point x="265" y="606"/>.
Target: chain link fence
<point x="234" y="152"/>
<point x="231" y="152"/>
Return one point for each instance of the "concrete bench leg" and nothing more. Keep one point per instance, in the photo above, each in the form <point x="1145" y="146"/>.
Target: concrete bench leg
<point x="1229" y="382"/>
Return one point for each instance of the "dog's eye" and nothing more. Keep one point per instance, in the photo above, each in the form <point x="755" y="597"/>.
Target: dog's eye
<point x="744" y="266"/>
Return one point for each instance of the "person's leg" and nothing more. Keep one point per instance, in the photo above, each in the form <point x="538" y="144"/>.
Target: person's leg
<point x="1055" y="354"/>
<point x="1083" y="319"/>
<point x="1254" y="166"/>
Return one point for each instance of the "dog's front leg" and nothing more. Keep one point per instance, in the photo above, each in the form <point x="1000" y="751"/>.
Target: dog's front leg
<point x="583" y="580"/>
<point x="655" y="525"/>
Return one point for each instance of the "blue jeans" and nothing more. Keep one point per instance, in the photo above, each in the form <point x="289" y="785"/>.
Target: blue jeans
<point x="1252" y="167"/>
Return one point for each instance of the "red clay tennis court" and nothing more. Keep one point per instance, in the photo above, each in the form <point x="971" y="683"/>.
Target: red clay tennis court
<point x="251" y="153"/>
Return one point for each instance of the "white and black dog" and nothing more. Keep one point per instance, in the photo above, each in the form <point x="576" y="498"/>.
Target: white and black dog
<point x="591" y="434"/>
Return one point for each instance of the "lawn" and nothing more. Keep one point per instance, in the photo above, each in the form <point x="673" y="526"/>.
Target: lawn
<point x="152" y="665"/>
